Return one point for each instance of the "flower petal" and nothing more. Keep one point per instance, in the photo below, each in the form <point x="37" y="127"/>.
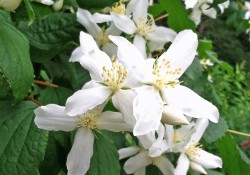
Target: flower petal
<point x="190" y="3"/>
<point x="112" y="121"/>
<point x="165" y="166"/>
<point x="123" y="101"/>
<point x="86" y="99"/>
<point x="191" y="103"/>
<point x="196" y="15"/>
<point x="147" y="140"/>
<point x="79" y="157"/>
<point x="196" y="167"/>
<point x="101" y="18"/>
<point x="173" y="116"/>
<point x="137" y="162"/>
<point x="76" y="55"/>
<point x="207" y="160"/>
<point x="110" y="49"/>
<point x="123" y="23"/>
<point x="200" y="127"/>
<point x="169" y="136"/>
<point x="85" y="18"/>
<point x="53" y="118"/>
<point x="161" y="34"/>
<point x="127" y="152"/>
<point x="181" y="55"/>
<point x="211" y="12"/>
<point x="140" y="43"/>
<point x="182" y="165"/>
<point x="87" y="43"/>
<point x="141" y="171"/>
<point x="141" y="10"/>
<point x="148" y="107"/>
<point x="94" y="63"/>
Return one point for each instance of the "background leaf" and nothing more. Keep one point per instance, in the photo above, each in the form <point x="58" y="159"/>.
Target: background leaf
<point x="22" y="144"/>
<point x="15" y="64"/>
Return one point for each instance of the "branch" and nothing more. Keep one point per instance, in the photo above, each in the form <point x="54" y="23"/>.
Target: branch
<point x="161" y="17"/>
<point x="33" y="100"/>
<point x="45" y="83"/>
<point x="238" y="133"/>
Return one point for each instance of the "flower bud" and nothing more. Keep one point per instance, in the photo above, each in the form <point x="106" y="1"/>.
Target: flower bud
<point x="58" y="5"/>
<point x="9" y="5"/>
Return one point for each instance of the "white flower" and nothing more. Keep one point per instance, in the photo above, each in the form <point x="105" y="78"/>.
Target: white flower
<point x="53" y="118"/>
<point x="224" y="5"/>
<point x="193" y="156"/>
<point x="99" y="34"/>
<point x="143" y="28"/>
<point x="150" y="152"/>
<point x="247" y="8"/>
<point x="109" y="80"/>
<point x="161" y="84"/>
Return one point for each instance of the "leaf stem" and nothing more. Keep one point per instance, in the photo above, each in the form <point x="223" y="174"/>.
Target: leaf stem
<point x="33" y="100"/>
<point x="238" y="133"/>
<point x="45" y="83"/>
<point x="161" y="17"/>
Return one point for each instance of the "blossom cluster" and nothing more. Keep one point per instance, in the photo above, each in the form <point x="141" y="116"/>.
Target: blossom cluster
<point x="162" y="114"/>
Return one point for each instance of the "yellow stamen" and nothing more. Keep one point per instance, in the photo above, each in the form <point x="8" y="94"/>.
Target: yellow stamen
<point x="144" y="26"/>
<point x="102" y="37"/>
<point x="193" y="149"/>
<point x="119" y="8"/>
<point x="89" y="119"/>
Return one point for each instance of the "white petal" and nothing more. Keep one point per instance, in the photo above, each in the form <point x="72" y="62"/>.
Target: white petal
<point x="157" y="147"/>
<point x="196" y="15"/>
<point x="87" y="43"/>
<point x="141" y="10"/>
<point x="140" y="43"/>
<point x="173" y="116"/>
<point x="182" y="165"/>
<point x="207" y="160"/>
<point x="154" y="46"/>
<point x="137" y="162"/>
<point x="110" y="49"/>
<point x="148" y="107"/>
<point x="113" y="30"/>
<point x="127" y="152"/>
<point x="101" y="18"/>
<point x="123" y="23"/>
<point x="141" y="171"/>
<point x="169" y="135"/>
<point x="147" y="140"/>
<point x="180" y="54"/>
<point x="91" y="84"/>
<point x="94" y="63"/>
<point x="76" y="55"/>
<point x="211" y="12"/>
<point x="52" y="117"/>
<point x="190" y="3"/>
<point x="79" y="157"/>
<point x="123" y="101"/>
<point x="130" y="7"/>
<point x="86" y="99"/>
<point x="196" y="167"/>
<point x="200" y="127"/>
<point x="191" y="103"/>
<point x="131" y="80"/>
<point x="165" y="166"/>
<point x="112" y="121"/>
<point x="85" y="18"/>
<point x="162" y="34"/>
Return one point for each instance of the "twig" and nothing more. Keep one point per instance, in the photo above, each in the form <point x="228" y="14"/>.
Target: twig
<point x="45" y="83"/>
<point x="238" y="133"/>
<point x="161" y="17"/>
<point x="33" y="100"/>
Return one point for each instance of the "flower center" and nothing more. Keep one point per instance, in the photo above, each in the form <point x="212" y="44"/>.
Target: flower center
<point x="144" y="26"/>
<point x="114" y="76"/>
<point x="176" y="138"/>
<point x="165" y="76"/>
<point x="89" y="119"/>
<point x="193" y="149"/>
<point x="155" y="160"/>
<point x="119" y="8"/>
<point x="102" y="37"/>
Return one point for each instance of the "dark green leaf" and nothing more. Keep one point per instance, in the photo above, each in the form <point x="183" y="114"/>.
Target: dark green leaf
<point x="5" y="16"/>
<point x="95" y="4"/>
<point x="105" y="159"/>
<point x="177" y="15"/>
<point x="232" y="160"/>
<point x="54" y="95"/>
<point x="52" y="31"/>
<point x="15" y="60"/>
<point x="22" y="144"/>
<point x="30" y="11"/>
<point x="155" y="10"/>
<point x="215" y="130"/>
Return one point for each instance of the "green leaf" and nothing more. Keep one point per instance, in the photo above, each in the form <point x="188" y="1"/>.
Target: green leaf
<point x="54" y="95"/>
<point x="215" y="130"/>
<point x="232" y="160"/>
<point x="195" y="70"/>
<point x="177" y="15"/>
<point x="155" y="10"/>
<point x="53" y="31"/>
<point x="105" y="160"/>
<point x="5" y="16"/>
<point x="22" y="144"/>
<point x="30" y="11"/>
<point x="15" y="62"/>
